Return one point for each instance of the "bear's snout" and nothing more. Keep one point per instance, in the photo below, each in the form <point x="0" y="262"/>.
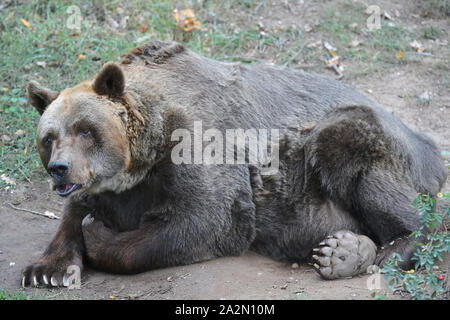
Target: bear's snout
<point x="58" y="169"/>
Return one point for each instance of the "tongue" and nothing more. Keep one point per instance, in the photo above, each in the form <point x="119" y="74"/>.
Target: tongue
<point x="65" y="187"/>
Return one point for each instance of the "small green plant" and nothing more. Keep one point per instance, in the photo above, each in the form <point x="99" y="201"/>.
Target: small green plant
<point x="426" y="280"/>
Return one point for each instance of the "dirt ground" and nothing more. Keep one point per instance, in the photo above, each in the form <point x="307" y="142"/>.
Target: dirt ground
<point x="24" y="236"/>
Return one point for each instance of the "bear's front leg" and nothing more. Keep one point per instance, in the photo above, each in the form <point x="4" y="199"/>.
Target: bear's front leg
<point x="65" y="250"/>
<point x="151" y="246"/>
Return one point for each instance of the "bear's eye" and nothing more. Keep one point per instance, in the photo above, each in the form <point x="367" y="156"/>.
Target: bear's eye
<point x="47" y="141"/>
<point x="84" y="132"/>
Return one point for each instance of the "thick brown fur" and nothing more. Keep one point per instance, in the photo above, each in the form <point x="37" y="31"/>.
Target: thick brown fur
<point x="345" y="164"/>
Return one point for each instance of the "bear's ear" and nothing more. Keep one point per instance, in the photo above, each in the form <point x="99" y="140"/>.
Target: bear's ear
<point x="40" y="97"/>
<point x="110" y="81"/>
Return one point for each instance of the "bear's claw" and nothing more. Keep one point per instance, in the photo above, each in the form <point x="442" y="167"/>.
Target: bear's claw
<point x="343" y="254"/>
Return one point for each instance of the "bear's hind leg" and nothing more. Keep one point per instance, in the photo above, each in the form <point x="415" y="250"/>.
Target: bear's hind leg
<point x="343" y="254"/>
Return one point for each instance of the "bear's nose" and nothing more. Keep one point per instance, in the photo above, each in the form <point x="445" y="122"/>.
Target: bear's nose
<point x="58" y="169"/>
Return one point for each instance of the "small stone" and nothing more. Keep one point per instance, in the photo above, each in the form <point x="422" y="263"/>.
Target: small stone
<point x="294" y="266"/>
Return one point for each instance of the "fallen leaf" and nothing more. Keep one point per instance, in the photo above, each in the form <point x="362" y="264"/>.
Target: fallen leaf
<point x="316" y="44"/>
<point x="81" y="57"/>
<point x="330" y="48"/>
<point x="42" y="64"/>
<point x="26" y="24"/>
<point x="74" y="34"/>
<point x="143" y="28"/>
<point x="387" y="16"/>
<point x="355" y="43"/>
<point x="7" y="179"/>
<point x="186" y="20"/>
<point x="417" y="46"/>
<point x="353" y="25"/>
<point x="19" y="132"/>
<point x="333" y="61"/>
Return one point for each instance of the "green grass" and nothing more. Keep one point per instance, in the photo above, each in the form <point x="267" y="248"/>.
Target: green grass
<point x="51" y="42"/>
<point x="18" y="295"/>
<point x="230" y="32"/>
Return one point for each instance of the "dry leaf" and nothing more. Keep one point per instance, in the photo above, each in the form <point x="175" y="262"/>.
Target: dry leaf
<point x="333" y="61"/>
<point x="330" y="48"/>
<point x="186" y="20"/>
<point x="81" y="57"/>
<point x="42" y="64"/>
<point x="417" y="46"/>
<point x="7" y="179"/>
<point x="354" y="43"/>
<point x="316" y="44"/>
<point x="143" y="28"/>
<point x="20" y="132"/>
<point x="387" y="16"/>
<point x="74" y="34"/>
<point x="26" y="23"/>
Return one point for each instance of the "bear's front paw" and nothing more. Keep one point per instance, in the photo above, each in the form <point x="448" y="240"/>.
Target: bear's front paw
<point x="344" y="254"/>
<point x="53" y="270"/>
<point x="96" y="236"/>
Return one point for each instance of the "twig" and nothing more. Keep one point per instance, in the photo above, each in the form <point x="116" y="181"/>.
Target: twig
<point x="35" y="212"/>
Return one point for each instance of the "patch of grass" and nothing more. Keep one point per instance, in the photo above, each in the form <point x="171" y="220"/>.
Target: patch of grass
<point x="18" y="295"/>
<point x="434" y="8"/>
<point x="343" y="22"/>
<point x="431" y="33"/>
<point x="58" y="56"/>
<point x="18" y="156"/>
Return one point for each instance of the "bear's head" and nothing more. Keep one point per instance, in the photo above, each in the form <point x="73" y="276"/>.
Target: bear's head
<point x="82" y="134"/>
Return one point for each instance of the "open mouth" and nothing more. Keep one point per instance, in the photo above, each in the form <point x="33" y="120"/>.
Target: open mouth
<point x="65" y="189"/>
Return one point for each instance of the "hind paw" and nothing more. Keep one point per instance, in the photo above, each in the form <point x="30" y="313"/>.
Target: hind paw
<point x="343" y="254"/>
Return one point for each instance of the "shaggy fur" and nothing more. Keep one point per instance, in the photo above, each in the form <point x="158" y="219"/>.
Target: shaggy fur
<point x="346" y="164"/>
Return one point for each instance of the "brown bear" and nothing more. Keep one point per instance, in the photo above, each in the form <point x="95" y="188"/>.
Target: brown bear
<point x="346" y="176"/>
